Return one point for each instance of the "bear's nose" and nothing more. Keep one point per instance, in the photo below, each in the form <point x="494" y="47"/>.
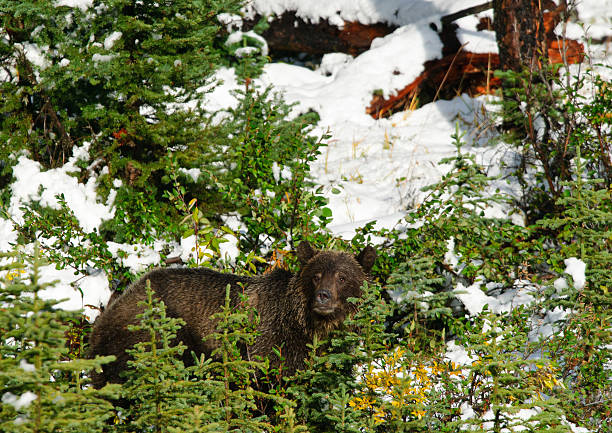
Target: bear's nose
<point x="323" y="296"/>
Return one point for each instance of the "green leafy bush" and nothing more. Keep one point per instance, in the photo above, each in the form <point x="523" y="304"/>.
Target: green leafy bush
<point x="546" y="117"/>
<point x="65" y="243"/>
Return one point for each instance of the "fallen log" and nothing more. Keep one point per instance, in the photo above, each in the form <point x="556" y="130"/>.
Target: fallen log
<point x="290" y="34"/>
<point x="462" y="72"/>
<point x="467" y="72"/>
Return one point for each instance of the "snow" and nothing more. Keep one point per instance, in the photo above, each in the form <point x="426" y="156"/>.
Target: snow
<point x="387" y="67"/>
<point x="188" y="249"/>
<point x="137" y="257"/>
<point x="26" y="366"/>
<point x="35" y="54"/>
<point x="109" y="42"/>
<point x="474" y="298"/>
<point x="81" y="4"/>
<point x="85" y="293"/>
<point x="8" y="236"/>
<point x="32" y="183"/>
<point x="218" y="94"/>
<point x="576" y="268"/>
<point x="475" y="41"/>
<point x="19" y="402"/>
<point x="102" y="57"/>
<point x="457" y="354"/>
<point x="399" y="12"/>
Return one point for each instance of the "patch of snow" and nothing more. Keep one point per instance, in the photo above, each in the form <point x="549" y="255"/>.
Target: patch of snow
<point x="450" y="257"/>
<point x="555" y="315"/>
<point x="238" y="36"/>
<point x="219" y="94"/>
<point x="8" y="236"/>
<point x="332" y="63"/>
<point x="576" y="268"/>
<point x="110" y="40"/>
<point x="138" y="257"/>
<point x="81" y="4"/>
<point x="476" y="41"/>
<point x="103" y="57"/>
<point x="398" y="12"/>
<point x="35" y="54"/>
<point x="26" y="366"/>
<point x="193" y="173"/>
<point x="457" y="354"/>
<point x="560" y="284"/>
<point x="79" y="292"/>
<point x="24" y="400"/>
<point x="81" y="198"/>
<point x="474" y="298"/>
<point x="188" y="249"/>
<point x="232" y="22"/>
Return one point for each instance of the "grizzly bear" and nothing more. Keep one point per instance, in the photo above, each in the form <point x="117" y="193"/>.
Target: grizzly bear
<point x="292" y="308"/>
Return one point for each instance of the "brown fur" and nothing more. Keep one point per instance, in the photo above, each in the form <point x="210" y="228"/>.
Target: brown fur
<point x="292" y="308"/>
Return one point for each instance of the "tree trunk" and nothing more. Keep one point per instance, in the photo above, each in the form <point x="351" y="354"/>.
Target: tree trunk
<point x="520" y="34"/>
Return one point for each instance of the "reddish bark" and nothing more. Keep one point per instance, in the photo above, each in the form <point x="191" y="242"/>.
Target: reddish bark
<point x="289" y="33"/>
<point x="466" y="72"/>
<point x="460" y="72"/>
<point x="456" y="72"/>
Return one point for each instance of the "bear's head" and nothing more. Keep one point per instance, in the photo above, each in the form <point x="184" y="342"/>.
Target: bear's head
<point x="329" y="278"/>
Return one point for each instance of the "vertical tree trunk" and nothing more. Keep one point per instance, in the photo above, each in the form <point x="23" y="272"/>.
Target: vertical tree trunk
<point x="519" y="29"/>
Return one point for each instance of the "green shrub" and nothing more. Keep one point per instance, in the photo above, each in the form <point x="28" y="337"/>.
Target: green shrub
<point x="262" y="172"/>
<point x="65" y="243"/>
<point x="546" y="117"/>
<point x="582" y="342"/>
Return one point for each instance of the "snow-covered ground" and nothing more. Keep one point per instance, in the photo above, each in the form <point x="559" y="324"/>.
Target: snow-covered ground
<point x="378" y="165"/>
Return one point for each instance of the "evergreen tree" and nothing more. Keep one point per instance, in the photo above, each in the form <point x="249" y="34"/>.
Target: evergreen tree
<point x="239" y="396"/>
<point x="215" y="394"/>
<point x="415" y="286"/>
<point x="35" y="38"/>
<point x="503" y="379"/>
<point x="141" y="58"/>
<point x="261" y="170"/>
<point x="584" y="230"/>
<point x="124" y="77"/>
<point x="42" y="389"/>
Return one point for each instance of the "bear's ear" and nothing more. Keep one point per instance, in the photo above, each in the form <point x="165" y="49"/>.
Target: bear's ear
<point x="305" y="252"/>
<point x="366" y="258"/>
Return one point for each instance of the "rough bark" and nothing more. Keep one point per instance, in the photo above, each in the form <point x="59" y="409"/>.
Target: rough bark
<point x="519" y="31"/>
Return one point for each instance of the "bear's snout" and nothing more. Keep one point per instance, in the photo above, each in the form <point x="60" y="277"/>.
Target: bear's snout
<point x="323" y="297"/>
<point x="324" y="301"/>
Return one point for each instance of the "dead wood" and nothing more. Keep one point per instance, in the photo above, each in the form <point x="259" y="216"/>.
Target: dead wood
<point x="467" y="72"/>
<point x="290" y="34"/>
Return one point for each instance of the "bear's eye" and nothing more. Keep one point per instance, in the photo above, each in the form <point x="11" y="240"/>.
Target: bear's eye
<point x="316" y="278"/>
<point x="341" y="279"/>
